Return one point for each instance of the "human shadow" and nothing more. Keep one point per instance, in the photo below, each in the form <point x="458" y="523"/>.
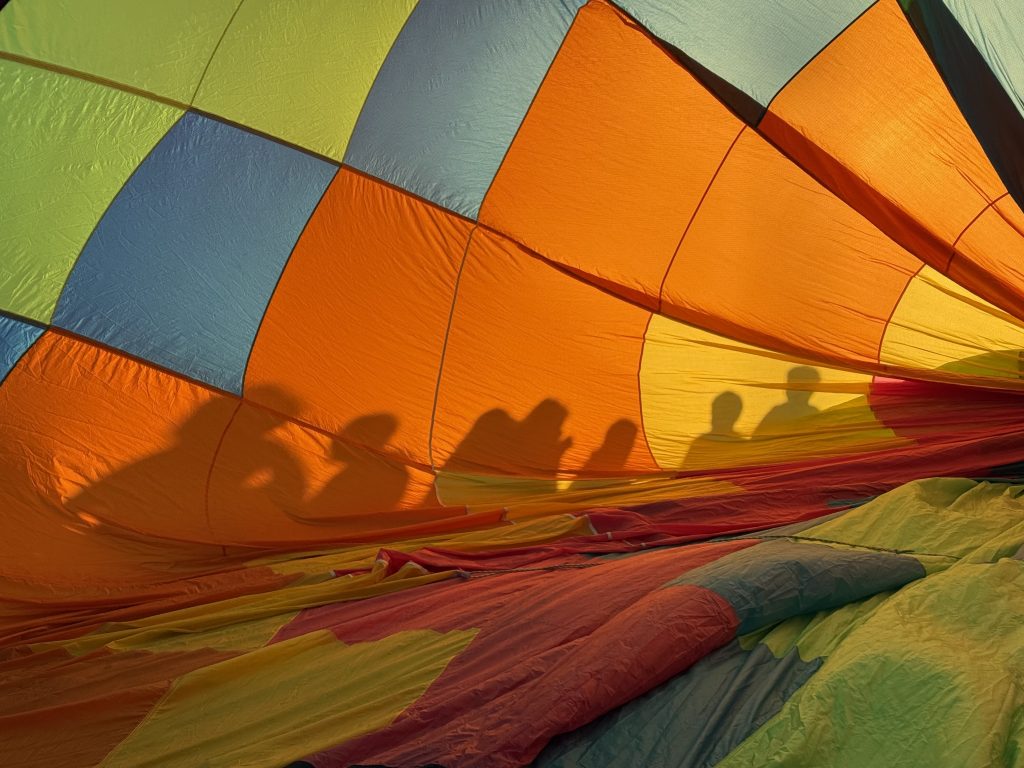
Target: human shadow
<point x="166" y="493"/>
<point x="369" y="482"/>
<point x="720" y="445"/>
<point x="611" y="456"/>
<point x="499" y="445"/>
<point x="792" y="414"/>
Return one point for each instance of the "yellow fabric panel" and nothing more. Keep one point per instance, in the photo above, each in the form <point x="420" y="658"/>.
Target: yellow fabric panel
<point x="346" y="691"/>
<point x="526" y="497"/>
<point x="155" y="46"/>
<point x="238" y="636"/>
<point x="767" y="418"/>
<point x="548" y="527"/>
<point x="301" y="69"/>
<point x="939" y="325"/>
<point x="211" y="620"/>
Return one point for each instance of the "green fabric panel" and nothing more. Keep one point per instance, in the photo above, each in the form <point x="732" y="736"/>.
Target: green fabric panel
<point x="66" y="148"/>
<point x="161" y="47"/>
<point x="935" y="676"/>
<point x="951" y="517"/>
<point x="816" y="635"/>
<point x="300" y="70"/>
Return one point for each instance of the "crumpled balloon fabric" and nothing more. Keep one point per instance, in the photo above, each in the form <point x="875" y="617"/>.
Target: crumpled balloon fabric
<point x="509" y="382"/>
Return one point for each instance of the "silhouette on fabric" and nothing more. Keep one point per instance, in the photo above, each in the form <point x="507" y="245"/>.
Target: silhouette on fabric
<point x="719" y="446"/>
<point x="787" y="416"/>
<point x="369" y="483"/>
<point x="499" y="445"/>
<point x="259" y="471"/>
<point x="611" y="456"/>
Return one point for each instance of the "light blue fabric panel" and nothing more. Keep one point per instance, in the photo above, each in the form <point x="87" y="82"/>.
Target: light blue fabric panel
<point x="996" y="27"/>
<point x="15" y="339"/>
<point x="449" y="98"/>
<point x="181" y="267"/>
<point x="754" y="45"/>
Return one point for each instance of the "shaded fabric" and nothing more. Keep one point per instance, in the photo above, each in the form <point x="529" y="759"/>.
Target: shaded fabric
<point x="692" y="721"/>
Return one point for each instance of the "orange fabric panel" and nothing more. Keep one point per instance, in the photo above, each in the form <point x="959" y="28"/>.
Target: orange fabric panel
<point x="276" y="482"/>
<point x="774" y="259"/>
<point x="894" y="145"/>
<point x="990" y="256"/>
<point x="358" y="321"/>
<point x="519" y="390"/>
<point x="100" y="454"/>
<point x="613" y="156"/>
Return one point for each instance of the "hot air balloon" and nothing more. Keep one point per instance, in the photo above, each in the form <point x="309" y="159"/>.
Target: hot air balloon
<point x="511" y="382"/>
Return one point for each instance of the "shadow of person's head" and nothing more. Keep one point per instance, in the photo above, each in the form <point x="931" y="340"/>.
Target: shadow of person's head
<point x="725" y="412"/>
<point x="374" y="431"/>
<point x="800" y="384"/>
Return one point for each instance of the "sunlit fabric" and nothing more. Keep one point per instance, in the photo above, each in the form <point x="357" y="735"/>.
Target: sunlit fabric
<point x="504" y="382"/>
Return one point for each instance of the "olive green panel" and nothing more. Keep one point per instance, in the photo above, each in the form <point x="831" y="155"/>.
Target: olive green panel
<point x="66" y="148"/>
<point x="949" y="517"/>
<point x="933" y="677"/>
<point x="156" y="45"/>
<point x="300" y="70"/>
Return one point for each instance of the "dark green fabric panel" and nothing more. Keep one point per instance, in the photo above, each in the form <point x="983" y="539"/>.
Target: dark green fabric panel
<point x="692" y="721"/>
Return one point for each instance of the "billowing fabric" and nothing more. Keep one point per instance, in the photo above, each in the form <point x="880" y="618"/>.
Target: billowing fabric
<point x="472" y="383"/>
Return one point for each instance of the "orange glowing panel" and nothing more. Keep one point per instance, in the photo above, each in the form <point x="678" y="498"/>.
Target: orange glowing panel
<point x="776" y="260"/>
<point x="613" y="156"/>
<point x="894" y="145"/>
<point x="990" y="256"/>
<point x="276" y="482"/>
<point x="343" y="335"/>
<point x="519" y="390"/>
<point x="111" y="456"/>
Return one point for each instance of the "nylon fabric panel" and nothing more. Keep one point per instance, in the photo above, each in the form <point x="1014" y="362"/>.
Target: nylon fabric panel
<point x="181" y="268"/>
<point x="906" y="664"/>
<point x="449" y="98"/>
<point x="158" y="47"/>
<point x="97" y="447"/>
<point x="693" y="720"/>
<point x="300" y="70"/>
<point x="755" y="46"/>
<point x="66" y="148"/>
<point x="997" y="31"/>
<point x="710" y="402"/>
<point x="275" y="483"/>
<point x="99" y="699"/>
<point x="604" y="176"/>
<point x="375" y="259"/>
<point x="979" y="74"/>
<point x="397" y="669"/>
<point x="975" y="339"/>
<point x="15" y="339"/>
<point x="516" y="393"/>
<point x="895" y="146"/>
<point x="776" y="260"/>
<point x="774" y="580"/>
<point x="991" y="252"/>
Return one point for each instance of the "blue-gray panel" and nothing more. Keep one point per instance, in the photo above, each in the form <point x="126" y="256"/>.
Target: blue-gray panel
<point x="693" y="720"/>
<point x="755" y="46"/>
<point x="452" y="92"/>
<point x="774" y="580"/>
<point x="181" y="267"/>
<point x="15" y="339"/>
